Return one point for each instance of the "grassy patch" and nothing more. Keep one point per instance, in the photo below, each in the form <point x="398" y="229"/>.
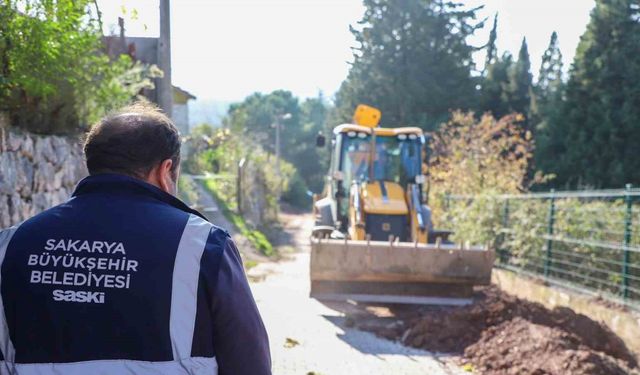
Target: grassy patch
<point x="187" y="190"/>
<point x="249" y="264"/>
<point x="256" y="237"/>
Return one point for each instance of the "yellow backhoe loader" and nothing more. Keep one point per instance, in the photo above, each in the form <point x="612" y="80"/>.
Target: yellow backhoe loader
<point x="373" y="239"/>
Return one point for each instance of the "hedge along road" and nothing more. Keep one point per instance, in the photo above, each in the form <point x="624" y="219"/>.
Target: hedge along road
<point x="309" y="337"/>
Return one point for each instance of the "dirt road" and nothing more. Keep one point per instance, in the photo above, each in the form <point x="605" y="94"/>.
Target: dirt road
<point x="308" y="337"/>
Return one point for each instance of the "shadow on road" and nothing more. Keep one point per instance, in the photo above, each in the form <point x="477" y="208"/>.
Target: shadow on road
<point x="355" y="338"/>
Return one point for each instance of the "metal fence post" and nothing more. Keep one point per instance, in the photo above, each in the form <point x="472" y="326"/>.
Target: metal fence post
<point x="505" y="224"/>
<point x="627" y="241"/>
<point x="551" y="223"/>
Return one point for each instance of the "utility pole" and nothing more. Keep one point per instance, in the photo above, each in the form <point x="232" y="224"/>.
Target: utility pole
<point x="164" y="88"/>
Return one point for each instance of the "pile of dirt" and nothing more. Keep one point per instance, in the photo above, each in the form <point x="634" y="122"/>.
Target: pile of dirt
<point x="502" y="334"/>
<point x="518" y="346"/>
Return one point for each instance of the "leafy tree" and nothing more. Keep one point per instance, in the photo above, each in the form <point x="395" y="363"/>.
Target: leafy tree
<point x="54" y="75"/>
<point x="472" y="157"/>
<point x="599" y="123"/>
<point x="413" y="62"/>
<point x="255" y="118"/>
<point x="312" y="162"/>
<point x="477" y="157"/>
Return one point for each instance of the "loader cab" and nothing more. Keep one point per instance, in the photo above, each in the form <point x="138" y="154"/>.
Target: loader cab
<point x="375" y="173"/>
<point x="363" y="154"/>
<point x="398" y="156"/>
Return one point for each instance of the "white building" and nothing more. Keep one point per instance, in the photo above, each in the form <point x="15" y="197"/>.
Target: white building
<point x="180" y="111"/>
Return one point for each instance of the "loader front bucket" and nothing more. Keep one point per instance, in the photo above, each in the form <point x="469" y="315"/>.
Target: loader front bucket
<point x="397" y="272"/>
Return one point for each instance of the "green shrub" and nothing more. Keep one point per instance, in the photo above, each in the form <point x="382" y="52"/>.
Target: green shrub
<point x="256" y="237"/>
<point x="296" y="193"/>
<point x="474" y="220"/>
<point x="219" y="152"/>
<point x="187" y="191"/>
<point x="581" y="224"/>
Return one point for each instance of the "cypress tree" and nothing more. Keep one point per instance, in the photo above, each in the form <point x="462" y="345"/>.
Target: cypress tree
<point x="600" y="119"/>
<point x="520" y="81"/>
<point x="492" y="50"/>
<point x="494" y="97"/>
<point x="550" y="75"/>
<point x="548" y="93"/>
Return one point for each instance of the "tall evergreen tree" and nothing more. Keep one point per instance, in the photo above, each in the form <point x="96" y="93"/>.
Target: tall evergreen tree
<point x="600" y="119"/>
<point x="506" y="85"/>
<point x="550" y="75"/>
<point x="548" y="93"/>
<point x="413" y="61"/>
<point x="494" y="96"/>
<point x="492" y="49"/>
<point x="494" y="92"/>
<point x="520" y="82"/>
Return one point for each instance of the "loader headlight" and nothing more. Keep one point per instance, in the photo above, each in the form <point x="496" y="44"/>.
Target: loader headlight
<point x="420" y="179"/>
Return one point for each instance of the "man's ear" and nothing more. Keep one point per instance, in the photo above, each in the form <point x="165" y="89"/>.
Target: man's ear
<point x="165" y="176"/>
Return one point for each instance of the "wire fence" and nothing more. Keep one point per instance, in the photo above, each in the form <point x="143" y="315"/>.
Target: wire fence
<point x="585" y="240"/>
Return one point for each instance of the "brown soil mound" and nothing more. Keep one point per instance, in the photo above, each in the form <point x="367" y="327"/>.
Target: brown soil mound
<point x="502" y="334"/>
<point x="520" y="347"/>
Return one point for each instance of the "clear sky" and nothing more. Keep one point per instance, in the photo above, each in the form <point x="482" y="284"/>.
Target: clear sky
<point x="224" y="50"/>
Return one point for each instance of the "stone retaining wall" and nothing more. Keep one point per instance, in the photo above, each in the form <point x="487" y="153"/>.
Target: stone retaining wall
<point x="36" y="173"/>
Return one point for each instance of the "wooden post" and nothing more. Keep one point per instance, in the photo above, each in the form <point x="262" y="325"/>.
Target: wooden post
<point x="239" y="186"/>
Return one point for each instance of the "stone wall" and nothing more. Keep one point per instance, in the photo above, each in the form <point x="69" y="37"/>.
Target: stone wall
<point x="36" y="173"/>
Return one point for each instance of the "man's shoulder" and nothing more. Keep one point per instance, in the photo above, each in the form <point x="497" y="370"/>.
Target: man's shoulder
<point x="110" y="205"/>
<point x="216" y="239"/>
<point x="218" y="235"/>
<point x="85" y="215"/>
<point x="50" y="214"/>
<point x="217" y="242"/>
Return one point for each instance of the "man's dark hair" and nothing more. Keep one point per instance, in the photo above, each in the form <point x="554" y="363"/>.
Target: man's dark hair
<point x="132" y="141"/>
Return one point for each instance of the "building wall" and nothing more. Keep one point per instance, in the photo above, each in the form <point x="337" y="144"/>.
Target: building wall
<point x="180" y="117"/>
